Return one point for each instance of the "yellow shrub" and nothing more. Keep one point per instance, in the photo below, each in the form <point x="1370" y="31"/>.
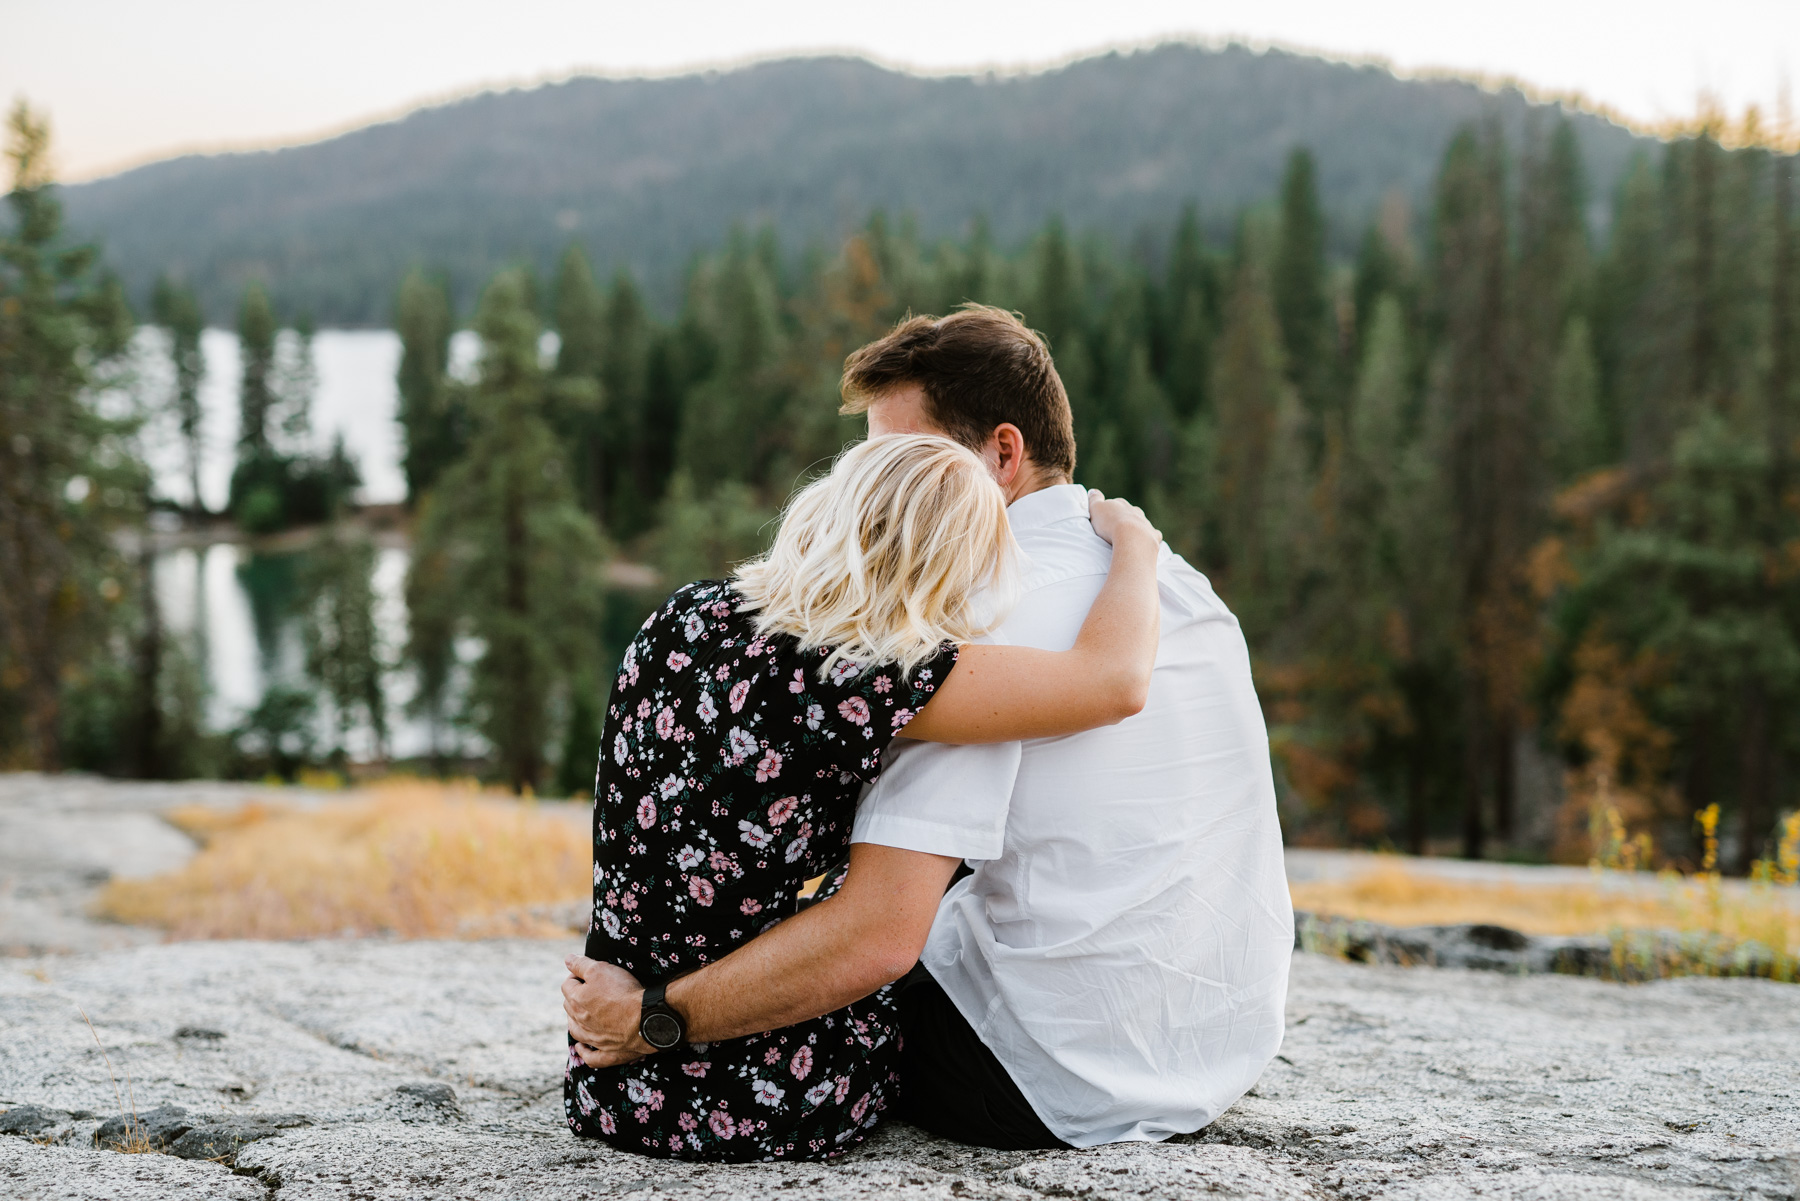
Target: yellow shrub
<point x="413" y="859"/>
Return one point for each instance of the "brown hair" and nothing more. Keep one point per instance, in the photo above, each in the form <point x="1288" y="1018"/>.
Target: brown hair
<point x="978" y="367"/>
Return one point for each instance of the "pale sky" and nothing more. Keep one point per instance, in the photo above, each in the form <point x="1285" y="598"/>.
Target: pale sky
<point x="126" y="81"/>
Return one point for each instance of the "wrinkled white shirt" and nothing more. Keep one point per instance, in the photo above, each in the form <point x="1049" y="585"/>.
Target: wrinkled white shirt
<point x="1123" y="945"/>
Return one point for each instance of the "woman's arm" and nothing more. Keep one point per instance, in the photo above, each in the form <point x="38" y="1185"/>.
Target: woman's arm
<point x="1002" y="693"/>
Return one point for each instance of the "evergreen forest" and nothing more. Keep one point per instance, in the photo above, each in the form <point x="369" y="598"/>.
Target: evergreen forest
<point x="1508" y="511"/>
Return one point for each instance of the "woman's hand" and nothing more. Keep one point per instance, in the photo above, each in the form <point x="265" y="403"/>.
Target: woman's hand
<point x="1116" y="519"/>
<point x="1002" y="693"/>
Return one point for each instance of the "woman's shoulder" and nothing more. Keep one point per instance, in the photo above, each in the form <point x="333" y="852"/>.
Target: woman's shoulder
<point x="711" y="600"/>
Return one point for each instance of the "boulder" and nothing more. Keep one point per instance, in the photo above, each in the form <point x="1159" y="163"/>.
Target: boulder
<point x="387" y="1069"/>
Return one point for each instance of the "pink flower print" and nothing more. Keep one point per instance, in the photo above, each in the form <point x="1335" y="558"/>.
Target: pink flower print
<point x="768" y="767"/>
<point x="665" y="722"/>
<point x="750" y="907"/>
<point x="721" y="672"/>
<point x="755" y="649"/>
<point x="656" y="1098"/>
<point x="669" y="787"/>
<point x="801" y="1064"/>
<point x="688" y="858"/>
<point x="901" y="717"/>
<point x="628" y="901"/>
<point x="706" y="708"/>
<point x="696" y="1070"/>
<point x="854" y="710"/>
<point x="606" y="1122"/>
<point x="798" y="683"/>
<point x="843" y="1089"/>
<point x="883" y="683"/>
<point x="861" y="1107"/>
<point x="701" y="889"/>
<point x="642" y="1114"/>
<point x="721" y="862"/>
<point x="643" y="709"/>
<point x="772" y="1055"/>
<point x="677" y="660"/>
<point x="647" y="812"/>
<point x="687" y="1121"/>
<point x="742" y="744"/>
<point x="783" y="809"/>
<point x="720" y="1121"/>
<point x="755" y="835"/>
<point x="739" y="691"/>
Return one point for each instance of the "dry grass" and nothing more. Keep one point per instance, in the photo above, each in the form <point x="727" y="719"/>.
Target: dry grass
<point x="422" y="860"/>
<point x="409" y="858"/>
<point x="1724" y="917"/>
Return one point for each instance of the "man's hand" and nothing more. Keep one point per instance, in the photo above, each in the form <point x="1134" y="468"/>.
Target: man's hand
<point x="604" y="1003"/>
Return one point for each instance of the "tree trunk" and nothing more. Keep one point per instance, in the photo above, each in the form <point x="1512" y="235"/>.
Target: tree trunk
<point x="146" y="726"/>
<point x="1475" y="772"/>
<point x="1501" y="755"/>
<point x="1415" y="809"/>
<point x="522" y="754"/>
<point x="1755" y="778"/>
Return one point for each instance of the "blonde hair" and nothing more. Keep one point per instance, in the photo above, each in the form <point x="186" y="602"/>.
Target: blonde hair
<point x="884" y="559"/>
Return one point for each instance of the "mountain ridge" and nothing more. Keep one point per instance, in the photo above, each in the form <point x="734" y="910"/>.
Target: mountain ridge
<point x="647" y="171"/>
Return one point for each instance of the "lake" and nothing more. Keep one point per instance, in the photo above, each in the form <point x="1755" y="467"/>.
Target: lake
<point x="236" y="604"/>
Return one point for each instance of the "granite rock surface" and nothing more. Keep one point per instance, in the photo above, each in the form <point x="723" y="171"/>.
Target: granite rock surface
<point x="385" y="1069"/>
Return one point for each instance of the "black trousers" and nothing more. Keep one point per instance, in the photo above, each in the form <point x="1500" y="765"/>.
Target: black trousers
<point x="951" y="1084"/>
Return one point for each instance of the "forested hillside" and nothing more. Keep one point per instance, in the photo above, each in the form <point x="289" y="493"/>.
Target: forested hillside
<point x="645" y="173"/>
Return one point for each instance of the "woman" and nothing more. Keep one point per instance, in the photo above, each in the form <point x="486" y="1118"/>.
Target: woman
<point x="747" y="716"/>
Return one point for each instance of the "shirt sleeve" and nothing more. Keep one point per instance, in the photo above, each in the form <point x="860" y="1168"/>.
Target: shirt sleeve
<point x="861" y="710"/>
<point x="940" y="799"/>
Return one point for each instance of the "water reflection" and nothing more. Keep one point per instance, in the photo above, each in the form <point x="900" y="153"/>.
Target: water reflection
<point x="237" y="610"/>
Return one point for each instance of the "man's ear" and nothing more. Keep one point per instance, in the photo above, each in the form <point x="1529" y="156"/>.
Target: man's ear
<point x="1005" y="454"/>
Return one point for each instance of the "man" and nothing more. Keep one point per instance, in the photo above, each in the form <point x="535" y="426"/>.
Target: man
<point x="1114" y="967"/>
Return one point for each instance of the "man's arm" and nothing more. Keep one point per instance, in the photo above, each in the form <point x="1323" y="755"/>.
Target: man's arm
<point x="838" y="951"/>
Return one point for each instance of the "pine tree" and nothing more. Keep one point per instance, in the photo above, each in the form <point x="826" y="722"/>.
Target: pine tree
<point x="1493" y="456"/>
<point x="344" y="655"/>
<point x="515" y="561"/>
<point x="258" y="401"/>
<point x="176" y="309"/>
<point x="70" y="478"/>
<point x="641" y="448"/>
<point x="1259" y="473"/>
<point x="1629" y="321"/>
<point x="729" y="429"/>
<point x="432" y="421"/>
<point x="576" y="395"/>
<point x="1190" y="309"/>
<point x="1302" y="302"/>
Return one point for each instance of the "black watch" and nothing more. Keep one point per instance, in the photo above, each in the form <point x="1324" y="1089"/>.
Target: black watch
<point x="660" y="1025"/>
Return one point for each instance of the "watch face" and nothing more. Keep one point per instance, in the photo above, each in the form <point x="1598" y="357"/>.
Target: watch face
<point x="660" y="1030"/>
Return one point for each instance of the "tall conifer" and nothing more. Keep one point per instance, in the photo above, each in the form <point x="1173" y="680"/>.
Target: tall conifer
<point x="175" y="308"/>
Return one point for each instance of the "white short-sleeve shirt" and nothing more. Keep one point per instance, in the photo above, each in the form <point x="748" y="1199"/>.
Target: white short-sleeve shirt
<point x="1123" y="944"/>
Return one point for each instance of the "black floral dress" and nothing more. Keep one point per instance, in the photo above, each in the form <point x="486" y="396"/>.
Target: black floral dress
<point x="728" y="777"/>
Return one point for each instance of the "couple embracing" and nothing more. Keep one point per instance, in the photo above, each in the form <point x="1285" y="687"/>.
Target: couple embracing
<point x="1017" y="735"/>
